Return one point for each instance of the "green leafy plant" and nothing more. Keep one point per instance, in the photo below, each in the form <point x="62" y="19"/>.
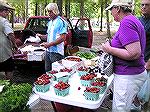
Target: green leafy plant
<point x="15" y="98"/>
<point x="86" y="55"/>
<point x="4" y="82"/>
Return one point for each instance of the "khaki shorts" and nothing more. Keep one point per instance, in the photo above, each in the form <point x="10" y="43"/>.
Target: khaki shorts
<point x="125" y="89"/>
<point x="7" y="66"/>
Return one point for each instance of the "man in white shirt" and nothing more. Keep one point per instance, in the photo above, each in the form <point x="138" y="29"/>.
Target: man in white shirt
<point x="7" y="41"/>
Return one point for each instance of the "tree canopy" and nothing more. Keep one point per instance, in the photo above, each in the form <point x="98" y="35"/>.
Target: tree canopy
<point x="90" y="8"/>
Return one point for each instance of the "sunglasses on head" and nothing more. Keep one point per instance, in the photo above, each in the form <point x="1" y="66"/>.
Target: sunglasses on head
<point x="113" y="7"/>
<point x="146" y="5"/>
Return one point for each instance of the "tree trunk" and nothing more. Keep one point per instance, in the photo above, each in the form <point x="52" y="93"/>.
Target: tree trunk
<point x="108" y="23"/>
<point x="82" y="9"/>
<point x="59" y="3"/>
<point x="67" y="8"/>
<point x="101" y="26"/>
<point x="36" y="9"/>
<point x="45" y="4"/>
<point x="26" y="10"/>
<point x="12" y="20"/>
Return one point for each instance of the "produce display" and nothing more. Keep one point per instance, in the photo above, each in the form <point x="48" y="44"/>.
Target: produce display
<point x="52" y="72"/>
<point x="43" y="79"/>
<point x="82" y="70"/>
<point x="93" y="84"/>
<point x="91" y="93"/>
<point x="101" y="79"/>
<point x="61" y="85"/>
<point x="63" y="75"/>
<point x="62" y="89"/>
<point x="100" y="83"/>
<point x="42" y="84"/>
<point x="97" y="60"/>
<point x="88" y="77"/>
<point x="92" y="89"/>
<point x="66" y="70"/>
<point x="86" y="55"/>
<point x="73" y="59"/>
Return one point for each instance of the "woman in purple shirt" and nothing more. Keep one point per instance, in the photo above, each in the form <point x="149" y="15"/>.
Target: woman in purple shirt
<point x="127" y="46"/>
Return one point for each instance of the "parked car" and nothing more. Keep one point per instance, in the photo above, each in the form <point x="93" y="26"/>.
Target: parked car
<point x="80" y="35"/>
<point x="77" y="36"/>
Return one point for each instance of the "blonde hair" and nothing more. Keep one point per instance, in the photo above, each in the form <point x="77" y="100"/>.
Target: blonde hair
<point x="53" y="7"/>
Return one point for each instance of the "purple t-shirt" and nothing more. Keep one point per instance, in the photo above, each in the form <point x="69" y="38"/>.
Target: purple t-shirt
<point x="130" y="30"/>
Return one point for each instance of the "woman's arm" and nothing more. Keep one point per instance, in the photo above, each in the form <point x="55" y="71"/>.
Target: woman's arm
<point x="131" y="52"/>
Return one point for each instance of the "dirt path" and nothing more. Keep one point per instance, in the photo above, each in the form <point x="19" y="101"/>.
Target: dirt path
<point x="99" y="37"/>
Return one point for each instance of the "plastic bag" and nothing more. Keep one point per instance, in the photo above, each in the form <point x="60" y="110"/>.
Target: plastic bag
<point x="106" y="63"/>
<point x="144" y="93"/>
<point x="33" y="39"/>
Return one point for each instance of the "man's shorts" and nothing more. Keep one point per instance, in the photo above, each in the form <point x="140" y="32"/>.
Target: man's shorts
<point x="7" y="66"/>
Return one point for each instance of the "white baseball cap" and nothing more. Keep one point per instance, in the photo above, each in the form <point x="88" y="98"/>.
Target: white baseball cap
<point x="4" y="5"/>
<point x="128" y="3"/>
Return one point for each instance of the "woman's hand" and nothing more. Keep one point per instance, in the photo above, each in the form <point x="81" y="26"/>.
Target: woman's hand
<point x="106" y="47"/>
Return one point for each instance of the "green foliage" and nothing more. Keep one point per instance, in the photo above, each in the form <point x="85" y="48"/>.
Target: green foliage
<point x="86" y="55"/>
<point x="91" y="7"/>
<point x="137" y="9"/>
<point x="19" y="6"/>
<point x="91" y="10"/>
<point x="4" y="82"/>
<point x="75" y="10"/>
<point x="15" y="98"/>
